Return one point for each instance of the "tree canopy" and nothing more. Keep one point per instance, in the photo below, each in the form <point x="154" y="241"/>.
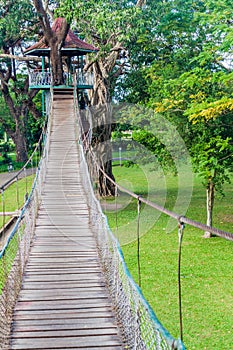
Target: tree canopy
<point x="188" y="81"/>
<point x="17" y="25"/>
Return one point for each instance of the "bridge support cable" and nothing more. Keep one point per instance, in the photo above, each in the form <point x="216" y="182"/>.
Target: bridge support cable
<point x="17" y="192"/>
<point x="116" y="210"/>
<point x="15" y="240"/>
<point x="138" y="240"/>
<point x="140" y="327"/>
<point x="180" y="239"/>
<point x="3" y="209"/>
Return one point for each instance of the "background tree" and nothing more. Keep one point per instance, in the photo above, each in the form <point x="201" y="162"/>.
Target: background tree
<point x="16" y="24"/>
<point x="189" y="82"/>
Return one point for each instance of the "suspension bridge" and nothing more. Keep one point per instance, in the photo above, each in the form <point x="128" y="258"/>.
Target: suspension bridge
<point x="61" y="287"/>
<point x="63" y="302"/>
<point x="64" y="282"/>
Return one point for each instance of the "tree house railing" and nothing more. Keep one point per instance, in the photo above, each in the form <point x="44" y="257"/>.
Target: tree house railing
<point x="84" y="79"/>
<point x="44" y="80"/>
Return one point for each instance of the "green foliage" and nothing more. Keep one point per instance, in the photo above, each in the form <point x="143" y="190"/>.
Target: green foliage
<point x="32" y="126"/>
<point x="16" y="18"/>
<point x="200" y="103"/>
<point x="5" y="117"/>
<point x="187" y="80"/>
<point x="18" y="24"/>
<point x="115" y="18"/>
<point x="153" y="146"/>
<point x="5" y="148"/>
<point x="133" y="87"/>
<point x="213" y="160"/>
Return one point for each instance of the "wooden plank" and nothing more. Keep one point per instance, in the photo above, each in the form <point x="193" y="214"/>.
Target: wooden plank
<point x="62" y="333"/>
<point x="40" y="298"/>
<point x="49" y="292"/>
<point x="77" y="303"/>
<point x="63" y="315"/>
<point x="59" y="285"/>
<point x="61" y="323"/>
<point x="66" y="342"/>
<point x="75" y="259"/>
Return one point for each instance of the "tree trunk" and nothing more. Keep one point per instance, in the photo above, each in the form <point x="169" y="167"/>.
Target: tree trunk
<point x="103" y="154"/>
<point x="19" y="115"/>
<point x="20" y="145"/>
<point x="106" y="187"/>
<point x="209" y="205"/>
<point x="54" y="39"/>
<point x="56" y="64"/>
<point x="102" y="128"/>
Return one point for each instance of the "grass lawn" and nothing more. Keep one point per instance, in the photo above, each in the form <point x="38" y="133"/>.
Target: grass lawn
<point x="16" y="165"/>
<point x="207" y="297"/>
<point x="12" y="200"/>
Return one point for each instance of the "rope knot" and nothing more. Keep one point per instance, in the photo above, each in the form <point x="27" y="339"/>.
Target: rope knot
<point x="181" y="224"/>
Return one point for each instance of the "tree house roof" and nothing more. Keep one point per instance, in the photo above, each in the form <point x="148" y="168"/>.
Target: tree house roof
<point x="72" y="46"/>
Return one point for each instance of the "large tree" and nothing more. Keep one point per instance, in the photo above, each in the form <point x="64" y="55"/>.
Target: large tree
<point x="189" y="82"/>
<point x="54" y="39"/>
<point x="200" y="104"/>
<point x="110" y="26"/>
<point x="16" y="19"/>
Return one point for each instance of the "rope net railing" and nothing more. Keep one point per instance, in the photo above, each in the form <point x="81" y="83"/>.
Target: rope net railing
<point x="140" y="327"/>
<point x="16" y="236"/>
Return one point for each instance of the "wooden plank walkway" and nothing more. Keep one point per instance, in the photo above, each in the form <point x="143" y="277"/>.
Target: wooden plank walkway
<point x="64" y="303"/>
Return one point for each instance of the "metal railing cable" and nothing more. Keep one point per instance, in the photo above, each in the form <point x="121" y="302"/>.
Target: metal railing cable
<point x="140" y="327"/>
<point x="15" y="251"/>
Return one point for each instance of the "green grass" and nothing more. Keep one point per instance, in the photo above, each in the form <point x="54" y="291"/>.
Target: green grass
<point x="16" y="165"/>
<point x="206" y="273"/>
<point x="7" y="261"/>
<point x="14" y="196"/>
<point x="12" y="202"/>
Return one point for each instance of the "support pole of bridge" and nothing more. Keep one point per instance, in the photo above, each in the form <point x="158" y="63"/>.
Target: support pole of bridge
<point x="138" y="241"/>
<point x="180" y="237"/>
<point x="43" y="92"/>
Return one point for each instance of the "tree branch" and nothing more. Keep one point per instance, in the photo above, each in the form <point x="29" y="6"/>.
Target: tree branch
<point x="117" y="47"/>
<point x="221" y="64"/>
<point x="44" y="20"/>
<point x="141" y="3"/>
<point x="20" y="58"/>
<point x="47" y="9"/>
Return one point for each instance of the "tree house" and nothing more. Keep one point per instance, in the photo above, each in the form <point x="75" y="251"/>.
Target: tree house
<point x="73" y="53"/>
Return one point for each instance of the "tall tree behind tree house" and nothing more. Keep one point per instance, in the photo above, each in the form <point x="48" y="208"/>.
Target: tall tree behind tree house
<point x="109" y="26"/>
